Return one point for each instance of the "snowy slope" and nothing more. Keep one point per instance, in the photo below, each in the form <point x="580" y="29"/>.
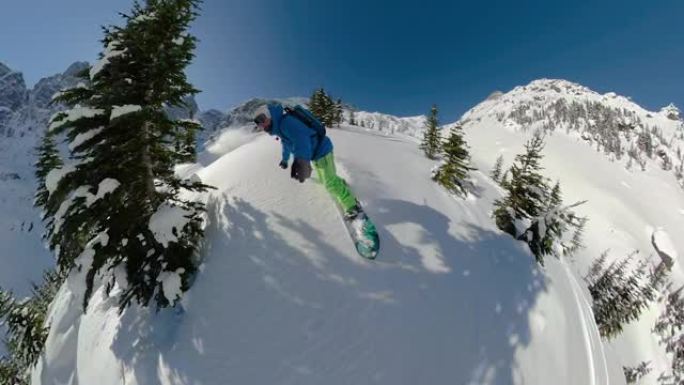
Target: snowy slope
<point x="628" y="209"/>
<point x="283" y="298"/>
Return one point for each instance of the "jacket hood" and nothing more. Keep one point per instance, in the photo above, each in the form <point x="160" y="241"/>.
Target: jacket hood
<point x="276" y="111"/>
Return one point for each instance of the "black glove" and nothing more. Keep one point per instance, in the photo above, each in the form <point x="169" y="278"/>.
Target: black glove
<point x="283" y="164"/>
<point x="301" y="169"/>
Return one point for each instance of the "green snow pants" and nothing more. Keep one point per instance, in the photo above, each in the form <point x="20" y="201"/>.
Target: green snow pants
<point x="336" y="186"/>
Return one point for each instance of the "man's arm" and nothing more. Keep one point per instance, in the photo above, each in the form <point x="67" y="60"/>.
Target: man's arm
<point x="286" y="152"/>
<point x="286" y="156"/>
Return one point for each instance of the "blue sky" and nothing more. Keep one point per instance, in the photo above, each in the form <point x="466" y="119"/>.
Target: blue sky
<point x="397" y="56"/>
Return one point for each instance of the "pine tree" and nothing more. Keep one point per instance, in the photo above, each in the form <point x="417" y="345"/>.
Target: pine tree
<point x="670" y="327"/>
<point x="532" y="212"/>
<point x="619" y="294"/>
<point x="431" y="138"/>
<point x="328" y="110"/>
<point x="26" y="328"/>
<point x="555" y="199"/>
<point x="632" y="375"/>
<point x="11" y="373"/>
<point x="48" y="160"/>
<point x="527" y="187"/>
<point x="454" y="172"/>
<point x="322" y="106"/>
<point x="496" y="171"/>
<point x="124" y="146"/>
<point x="338" y="112"/>
<point x="352" y="118"/>
<point x="316" y="103"/>
<point x="671" y="321"/>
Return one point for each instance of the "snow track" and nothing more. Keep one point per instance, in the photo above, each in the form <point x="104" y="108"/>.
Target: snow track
<point x="592" y="338"/>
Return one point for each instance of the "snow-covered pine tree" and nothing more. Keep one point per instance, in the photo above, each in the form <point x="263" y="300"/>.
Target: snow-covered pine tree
<point x="670" y="327"/>
<point x="352" y="118"/>
<point x="619" y="293"/>
<point x="48" y="160"/>
<point x="120" y="206"/>
<point x="328" y="110"/>
<point x="324" y="108"/>
<point x="11" y="373"/>
<point x="316" y="103"/>
<point x="431" y="137"/>
<point x="671" y="320"/>
<point x="26" y="329"/>
<point x="497" y="169"/>
<point x="527" y="190"/>
<point x="559" y="220"/>
<point x="634" y="374"/>
<point x="454" y="172"/>
<point x="603" y="283"/>
<point x="533" y="212"/>
<point x="338" y="112"/>
<point x="679" y="173"/>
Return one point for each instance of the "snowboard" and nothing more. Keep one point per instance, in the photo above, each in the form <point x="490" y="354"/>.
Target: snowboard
<point x="363" y="233"/>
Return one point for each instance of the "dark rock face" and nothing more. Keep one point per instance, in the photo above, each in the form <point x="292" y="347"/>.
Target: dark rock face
<point x="27" y="111"/>
<point x="12" y="97"/>
<point x="211" y="120"/>
<point x="41" y="95"/>
<point x="188" y="111"/>
<point x="12" y="89"/>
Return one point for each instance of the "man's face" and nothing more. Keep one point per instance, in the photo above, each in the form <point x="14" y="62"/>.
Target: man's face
<point x="262" y="123"/>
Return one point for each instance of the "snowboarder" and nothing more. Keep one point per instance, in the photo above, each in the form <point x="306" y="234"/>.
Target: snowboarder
<point x="307" y="145"/>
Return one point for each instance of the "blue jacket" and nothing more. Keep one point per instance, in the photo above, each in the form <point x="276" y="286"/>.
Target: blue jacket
<point x="296" y="137"/>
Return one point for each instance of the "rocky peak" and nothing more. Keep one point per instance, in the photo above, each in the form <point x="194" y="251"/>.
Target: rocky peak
<point x="76" y="68"/>
<point x="211" y="119"/>
<point x="187" y="111"/>
<point x="12" y="89"/>
<point x="41" y="95"/>
<point x="671" y="112"/>
<point x="612" y="124"/>
<point x="555" y="85"/>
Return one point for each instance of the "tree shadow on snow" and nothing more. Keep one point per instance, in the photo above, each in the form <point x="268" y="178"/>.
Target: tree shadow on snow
<point x="492" y="279"/>
<point x="446" y="303"/>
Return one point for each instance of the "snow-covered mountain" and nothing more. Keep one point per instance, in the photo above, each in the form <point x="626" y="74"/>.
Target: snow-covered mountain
<point x="388" y="124"/>
<point x="611" y="124"/>
<point x="24" y="114"/>
<point x="282" y="297"/>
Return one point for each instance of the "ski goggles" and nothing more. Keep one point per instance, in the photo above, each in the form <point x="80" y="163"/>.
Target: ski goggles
<point x="260" y="119"/>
